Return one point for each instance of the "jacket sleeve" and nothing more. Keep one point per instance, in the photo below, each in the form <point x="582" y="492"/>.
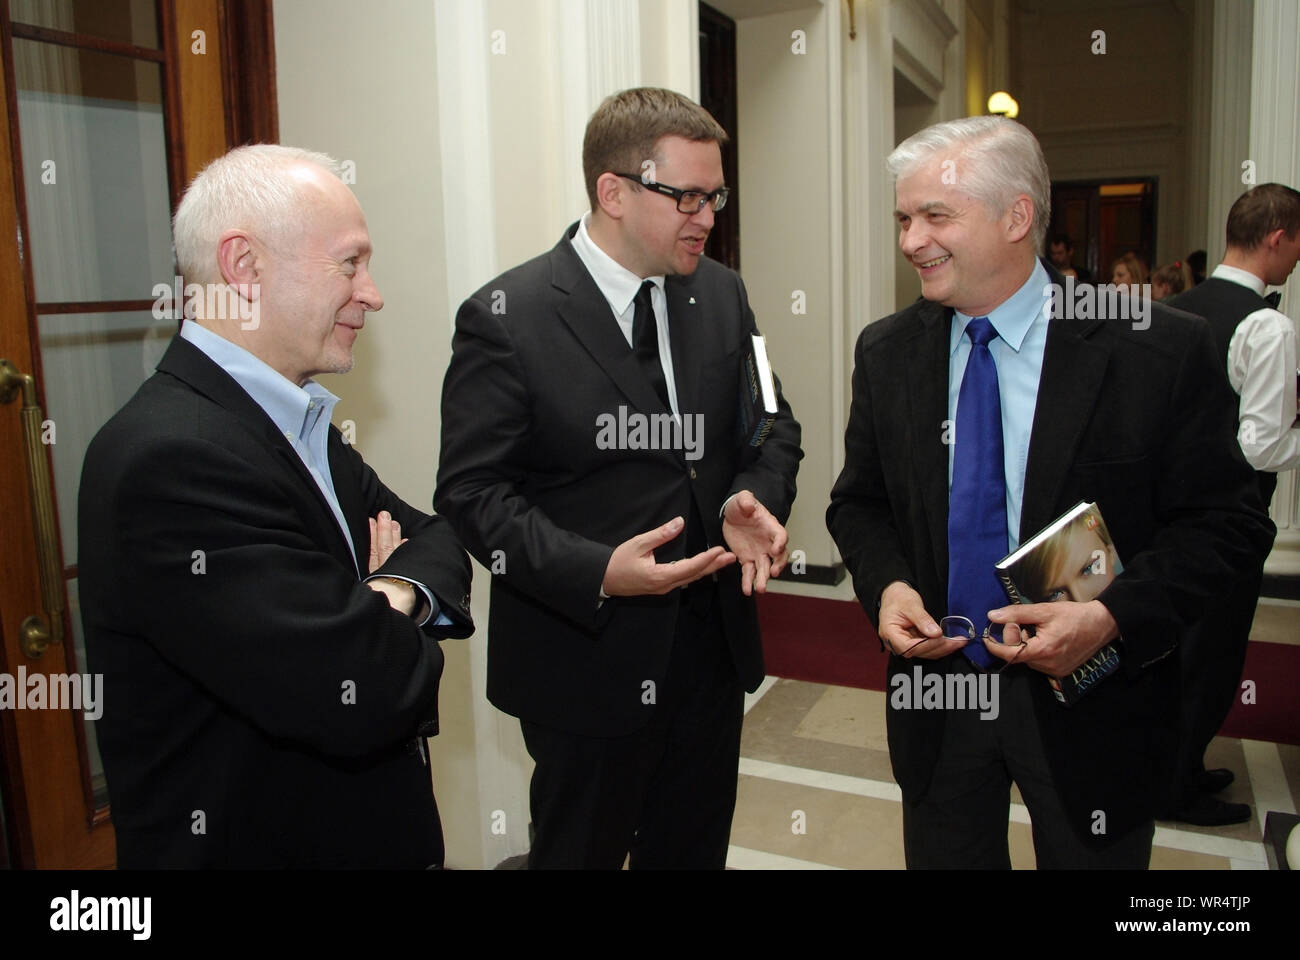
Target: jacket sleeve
<point x="483" y="468"/>
<point x="771" y="475"/>
<point x="432" y="555"/>
<point x="859" y="517"/>
<point x="1212" y="528"/>
<point x="215" y="568"/>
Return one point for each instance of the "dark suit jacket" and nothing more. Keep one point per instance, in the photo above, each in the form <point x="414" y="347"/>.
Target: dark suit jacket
<point x="537" y="359"/>
<point x="1132" y="419"/>
<point x="227" y="735"/>
<point x="1224" y="304"/>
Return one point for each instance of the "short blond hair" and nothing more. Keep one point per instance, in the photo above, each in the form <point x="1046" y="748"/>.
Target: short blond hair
<point x="627" y="127"/>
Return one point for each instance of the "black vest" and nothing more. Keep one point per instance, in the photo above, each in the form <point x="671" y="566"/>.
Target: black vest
<point x="1225" y="304"/>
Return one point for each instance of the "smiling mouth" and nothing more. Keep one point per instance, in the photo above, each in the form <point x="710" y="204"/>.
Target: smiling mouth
<point x="931" y="264"/>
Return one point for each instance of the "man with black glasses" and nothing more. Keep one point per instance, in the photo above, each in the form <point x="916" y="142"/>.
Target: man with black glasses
<point x="591" y="459"/>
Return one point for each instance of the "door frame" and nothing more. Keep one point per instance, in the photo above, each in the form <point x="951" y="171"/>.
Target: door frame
<point x="212" y="100"/>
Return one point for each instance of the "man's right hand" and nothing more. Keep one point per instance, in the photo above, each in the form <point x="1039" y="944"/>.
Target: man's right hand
<point x="907" y="630"/>
<point x="633" y="572"/>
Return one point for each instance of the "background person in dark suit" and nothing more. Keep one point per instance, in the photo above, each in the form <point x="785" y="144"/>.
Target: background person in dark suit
<point x="1047" y="413"/>
<point x="267" y="637"/>
<point x="623" y="633"/>
<point x="1256" y="347"/>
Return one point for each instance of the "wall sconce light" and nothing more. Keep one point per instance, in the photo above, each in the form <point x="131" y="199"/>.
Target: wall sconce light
<point x="1003" y="103"/>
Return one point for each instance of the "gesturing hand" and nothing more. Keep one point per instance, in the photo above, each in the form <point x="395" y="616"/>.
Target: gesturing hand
<point x="633" y="572"/>
<point x="1066" y="634"/>
<point x="756" y="538"/>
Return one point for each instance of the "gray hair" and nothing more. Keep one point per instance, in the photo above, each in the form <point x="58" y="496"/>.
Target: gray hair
<point x="250" y="188"/>
<point x="1000" y="159"/>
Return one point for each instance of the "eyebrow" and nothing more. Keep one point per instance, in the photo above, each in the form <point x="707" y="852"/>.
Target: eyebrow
<point x="355" y="248"/>
<point x="694" y="189"/>
<point x="927" y="208"/>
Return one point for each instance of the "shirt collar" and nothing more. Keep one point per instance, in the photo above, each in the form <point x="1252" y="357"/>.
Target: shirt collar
<point x="285" y="402"/>
<point x="1237" y="275"/>
<point x="616" y="282"/>
<point x="1013" y="317"/>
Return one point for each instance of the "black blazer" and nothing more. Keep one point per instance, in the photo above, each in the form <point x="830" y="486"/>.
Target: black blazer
<point x="537" y="359"/>
<point x="1133" y="419"/>
<point x="260" y="703"/>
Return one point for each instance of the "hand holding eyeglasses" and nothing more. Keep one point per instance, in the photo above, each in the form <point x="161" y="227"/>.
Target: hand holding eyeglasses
<point x="907" y="630"/>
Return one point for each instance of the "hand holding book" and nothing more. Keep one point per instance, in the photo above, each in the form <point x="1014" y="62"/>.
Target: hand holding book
<point x="1065" y="565"/>
<point x="1066" y="634"/>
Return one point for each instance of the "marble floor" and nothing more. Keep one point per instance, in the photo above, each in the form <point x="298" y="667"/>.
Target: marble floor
<point x="816" y="790"/>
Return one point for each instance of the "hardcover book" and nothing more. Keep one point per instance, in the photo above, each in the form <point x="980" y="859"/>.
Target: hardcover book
<point x="1072" y="558"/>
<point x="757" y="394"/>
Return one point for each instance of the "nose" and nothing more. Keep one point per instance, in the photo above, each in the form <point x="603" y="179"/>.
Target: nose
<point x="911" y="239"/>
<point x="703" y="218"/>
<point x="366" y="293"/>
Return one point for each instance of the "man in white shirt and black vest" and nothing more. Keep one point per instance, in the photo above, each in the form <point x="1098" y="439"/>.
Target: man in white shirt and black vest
<point x="1259" y="344"/>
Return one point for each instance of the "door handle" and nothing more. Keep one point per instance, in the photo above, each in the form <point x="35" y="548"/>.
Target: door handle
<point x="37" y="633"/>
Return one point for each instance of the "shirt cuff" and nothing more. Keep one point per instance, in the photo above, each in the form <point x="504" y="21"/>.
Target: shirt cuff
<point x="430" y="604"/>
<point x="723" y="512"/>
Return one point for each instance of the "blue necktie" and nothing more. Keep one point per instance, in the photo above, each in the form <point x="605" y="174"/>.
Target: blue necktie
<point x="977" y="506"/>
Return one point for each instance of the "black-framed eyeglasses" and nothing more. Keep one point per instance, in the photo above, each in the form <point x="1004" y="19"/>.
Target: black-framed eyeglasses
<point x="688" y="201"/>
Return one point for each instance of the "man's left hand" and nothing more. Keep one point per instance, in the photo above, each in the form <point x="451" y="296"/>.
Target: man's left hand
<point x="756" y="538"/>
<point x="1066" y="634"/>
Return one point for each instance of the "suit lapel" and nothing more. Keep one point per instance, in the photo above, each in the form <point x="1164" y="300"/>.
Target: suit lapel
<point x="351" y="501"/>
<point x="586" y="312"/>
<point x="926" y="353"/>
<point x="191" y="365"/>
<point x="1074" y="368"/>
<point x="684" y="336"/>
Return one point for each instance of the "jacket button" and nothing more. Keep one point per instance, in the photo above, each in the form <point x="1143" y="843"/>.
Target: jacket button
<point x="692" y="473"/>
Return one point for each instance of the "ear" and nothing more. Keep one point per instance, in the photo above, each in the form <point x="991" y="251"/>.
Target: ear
<point x="610" y="193"/>
<point x="237" y="260"/>
<point x="1273" y="239"/>
<point x="1020" y="218"/>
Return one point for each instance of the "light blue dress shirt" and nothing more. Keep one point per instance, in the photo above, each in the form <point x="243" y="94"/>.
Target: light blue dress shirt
<point x="301" y="414"/>
<point x="1021" y="323"/>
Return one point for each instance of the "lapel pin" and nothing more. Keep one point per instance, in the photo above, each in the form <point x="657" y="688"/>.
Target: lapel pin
<point x="692" y="300"/>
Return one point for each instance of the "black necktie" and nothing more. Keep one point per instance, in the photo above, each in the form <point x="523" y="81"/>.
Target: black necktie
<point x="1273" y="298"/>
<point x="645" y="342"/>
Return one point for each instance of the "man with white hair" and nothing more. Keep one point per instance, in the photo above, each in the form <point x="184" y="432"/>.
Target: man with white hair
<point x="265" y="612"/>
<point x="980" y="414"/>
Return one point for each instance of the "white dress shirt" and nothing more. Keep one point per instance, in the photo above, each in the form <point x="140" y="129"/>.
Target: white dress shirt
<point x="1262" y="369"/>
<point x="620" y="286"/>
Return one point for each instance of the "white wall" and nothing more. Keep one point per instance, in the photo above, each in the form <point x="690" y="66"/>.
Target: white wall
<point x="786" y="216"/>
<point x="382" y="113"/>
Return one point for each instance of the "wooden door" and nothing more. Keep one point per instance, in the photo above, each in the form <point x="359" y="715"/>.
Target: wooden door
<point x="110" y="107"/>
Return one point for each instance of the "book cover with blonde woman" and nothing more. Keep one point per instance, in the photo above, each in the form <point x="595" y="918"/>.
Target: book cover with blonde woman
<point x="1072" y="558"/>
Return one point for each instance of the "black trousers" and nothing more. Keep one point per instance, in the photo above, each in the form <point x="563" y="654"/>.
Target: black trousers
<point x="1212" y="656"/>
<point x="664" y="794"/>
<point x="961" y="822"/>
